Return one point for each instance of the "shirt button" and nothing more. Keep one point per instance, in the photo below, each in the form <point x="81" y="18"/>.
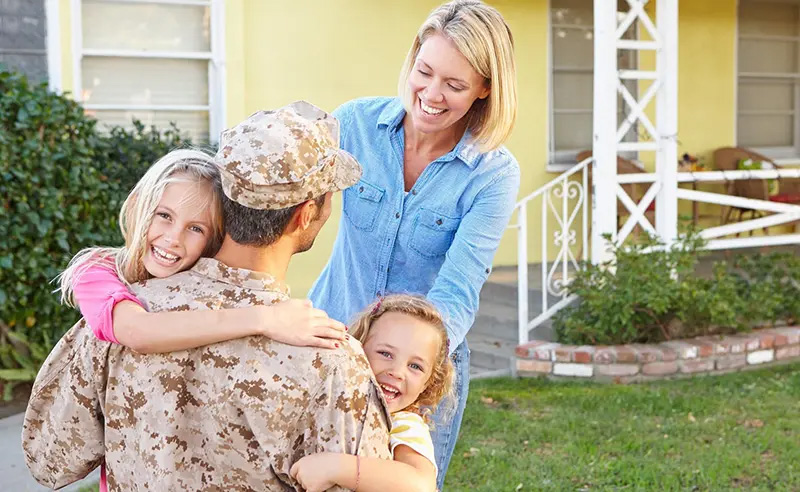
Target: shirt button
<point x="360" y="189"/>
<point x="439" y="222"/>
<point x="378" y="294"/>
<point x="397" y="215"/>
<point x="413" y="192"/>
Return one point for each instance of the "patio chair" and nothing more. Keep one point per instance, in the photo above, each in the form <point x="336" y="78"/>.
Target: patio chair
<point x="727" y="159"/>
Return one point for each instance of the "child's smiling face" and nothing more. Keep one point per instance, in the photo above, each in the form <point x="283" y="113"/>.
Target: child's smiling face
<point x="181" y="229"/>
<point x="402" y="350"/>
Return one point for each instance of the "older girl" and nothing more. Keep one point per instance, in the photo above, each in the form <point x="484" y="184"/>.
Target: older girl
<point x="438" y="186"/>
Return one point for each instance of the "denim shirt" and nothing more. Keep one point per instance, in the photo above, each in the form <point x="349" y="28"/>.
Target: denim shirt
<point x="436" y="240"/>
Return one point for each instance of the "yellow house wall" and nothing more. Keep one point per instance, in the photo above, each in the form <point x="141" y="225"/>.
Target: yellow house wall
<point x="330" y="52"/>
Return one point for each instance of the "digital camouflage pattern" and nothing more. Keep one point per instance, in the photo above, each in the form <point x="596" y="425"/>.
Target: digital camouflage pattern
<point x="230" y="416"/>
<point x="280" y="158"/>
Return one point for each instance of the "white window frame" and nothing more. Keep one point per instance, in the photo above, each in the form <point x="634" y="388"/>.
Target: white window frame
<point x="52" y="47"/>
<point x="563" y="160"/>
<point x="53" y="44"/>
<point x="783" y="155"/>
<point x="215" y="57"/>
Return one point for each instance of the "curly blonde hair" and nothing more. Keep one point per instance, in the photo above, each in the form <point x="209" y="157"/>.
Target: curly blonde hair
<point x="439" y="387"/>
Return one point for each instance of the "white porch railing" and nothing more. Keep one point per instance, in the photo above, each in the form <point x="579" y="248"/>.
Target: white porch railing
<point x="568" y="196"/>
<point x="564" y="198"/>
<point x="780" y="213"/>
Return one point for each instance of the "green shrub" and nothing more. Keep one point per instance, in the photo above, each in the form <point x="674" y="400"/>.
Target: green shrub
<point x="62" y="184"/>
<point x="648" y="293"/>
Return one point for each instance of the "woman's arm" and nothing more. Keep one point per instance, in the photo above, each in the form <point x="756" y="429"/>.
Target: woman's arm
<point x="116" y="315"/>
<point x="467" y="264"/>
<point x="409" y="471"/>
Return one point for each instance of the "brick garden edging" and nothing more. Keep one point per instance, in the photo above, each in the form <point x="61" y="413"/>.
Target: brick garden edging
<point x="645" y="362"/>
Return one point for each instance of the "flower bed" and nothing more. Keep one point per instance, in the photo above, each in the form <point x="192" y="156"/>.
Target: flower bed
<point x="645" y="362"/>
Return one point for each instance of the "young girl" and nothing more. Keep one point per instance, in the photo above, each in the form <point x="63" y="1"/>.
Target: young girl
<point x="406" y="344"/>
<point x="171" y="218"/>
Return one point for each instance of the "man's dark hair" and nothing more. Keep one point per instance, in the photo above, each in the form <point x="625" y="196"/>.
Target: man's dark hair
<point x="253" y="227"/>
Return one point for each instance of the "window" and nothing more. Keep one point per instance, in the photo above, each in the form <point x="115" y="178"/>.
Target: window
<point x="571" y="82"/>
<point x="769" y="77"/>
<point x="156" y="61"/>
<point x="23" y="37"/>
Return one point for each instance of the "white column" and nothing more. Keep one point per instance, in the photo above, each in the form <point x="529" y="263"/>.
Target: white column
<point x="604" y="143"/>
<point x="667" y="120"/>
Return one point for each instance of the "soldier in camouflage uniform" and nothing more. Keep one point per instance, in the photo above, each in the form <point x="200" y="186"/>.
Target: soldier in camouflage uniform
<point x="234" y="415"/>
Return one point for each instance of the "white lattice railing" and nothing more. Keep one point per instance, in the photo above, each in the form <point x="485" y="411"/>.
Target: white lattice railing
<point x="564" y="199"/>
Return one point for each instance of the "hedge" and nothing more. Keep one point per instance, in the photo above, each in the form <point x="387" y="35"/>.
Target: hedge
<point x="63" y="181"/>
<point x="650" y="293"/>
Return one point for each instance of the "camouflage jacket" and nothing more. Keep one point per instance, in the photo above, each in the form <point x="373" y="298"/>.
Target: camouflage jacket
<point x="230" y="416"/>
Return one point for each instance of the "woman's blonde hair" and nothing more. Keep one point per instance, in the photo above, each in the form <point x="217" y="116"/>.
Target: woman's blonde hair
<point x="136" y="215"/>
<point x="481" y="34"/>
<point x="440" y="382"/>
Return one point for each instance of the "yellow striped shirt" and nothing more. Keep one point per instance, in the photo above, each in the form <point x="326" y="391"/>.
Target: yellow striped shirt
<point x="408" y="428"/>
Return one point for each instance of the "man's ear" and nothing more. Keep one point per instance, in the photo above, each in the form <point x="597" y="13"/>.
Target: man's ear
<point x="305" y="214"/>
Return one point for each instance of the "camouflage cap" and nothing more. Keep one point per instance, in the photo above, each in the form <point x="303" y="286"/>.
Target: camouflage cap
<point x="280" y="158"/>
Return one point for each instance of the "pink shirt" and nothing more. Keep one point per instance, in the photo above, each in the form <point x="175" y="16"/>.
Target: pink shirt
<point x="97" y="290"/>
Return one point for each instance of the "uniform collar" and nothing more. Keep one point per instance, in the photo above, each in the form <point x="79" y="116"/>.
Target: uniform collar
<point x="240" y="277"/>
<point x="392" y="116"/>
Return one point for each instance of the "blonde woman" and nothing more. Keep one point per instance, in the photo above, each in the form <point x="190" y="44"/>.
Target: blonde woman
<point x="438" y="186"/>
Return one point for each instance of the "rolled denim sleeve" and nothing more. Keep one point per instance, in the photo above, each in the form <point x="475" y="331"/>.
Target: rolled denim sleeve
<point x="456" y="290"/>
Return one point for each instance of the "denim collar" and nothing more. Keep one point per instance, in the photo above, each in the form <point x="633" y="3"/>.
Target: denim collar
<point x="392" y="118"/>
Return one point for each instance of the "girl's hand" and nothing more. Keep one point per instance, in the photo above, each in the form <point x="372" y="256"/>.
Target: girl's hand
<point x="316" y="472"/>
<point x="297" y="322"/>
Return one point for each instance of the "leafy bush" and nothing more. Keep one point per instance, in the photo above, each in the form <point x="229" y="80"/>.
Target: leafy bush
<point x="649" y="293"/>
<point x="62" y="183"/>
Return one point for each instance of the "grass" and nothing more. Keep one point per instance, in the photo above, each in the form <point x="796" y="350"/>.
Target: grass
<point x="734" y="432"/>
<point x="738" y="431"/>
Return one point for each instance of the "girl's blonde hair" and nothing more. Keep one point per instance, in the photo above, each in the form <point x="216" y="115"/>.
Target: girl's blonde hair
<point x="440" y="382"/>
<point x="481" y="34"/>
<point x="136" y="215"/>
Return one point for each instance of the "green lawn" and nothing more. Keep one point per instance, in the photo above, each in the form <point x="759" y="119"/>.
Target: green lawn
<point x="739" y="431"/>
<point x="734" y="432"/>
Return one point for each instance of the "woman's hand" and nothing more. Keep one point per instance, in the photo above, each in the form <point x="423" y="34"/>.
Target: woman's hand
<point x="317" y="472"/>
<point x="297" y="322"/>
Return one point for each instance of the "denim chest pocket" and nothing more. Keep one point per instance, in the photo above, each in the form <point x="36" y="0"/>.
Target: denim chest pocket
<point x="433" y="233"/>
<point x="362" y="204"/>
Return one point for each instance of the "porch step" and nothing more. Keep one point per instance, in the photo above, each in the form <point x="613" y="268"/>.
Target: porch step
<point x="494" y="334"/>
<point x="490" y="356"/>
